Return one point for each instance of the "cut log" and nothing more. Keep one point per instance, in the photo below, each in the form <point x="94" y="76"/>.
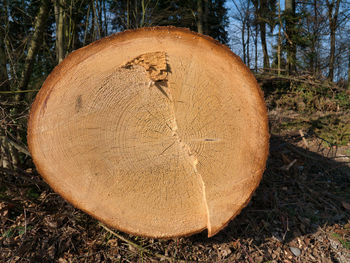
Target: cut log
<point x="158" y="132"/>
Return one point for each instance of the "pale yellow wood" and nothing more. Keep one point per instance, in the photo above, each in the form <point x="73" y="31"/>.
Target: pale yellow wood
<point x="158" y="132"/>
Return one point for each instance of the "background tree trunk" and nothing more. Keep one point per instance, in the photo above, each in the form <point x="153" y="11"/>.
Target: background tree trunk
<point x="60" y="30"/>
<point x="313" y="59"/>
<point x="333" y="11"/>
<point x="5" y="156"/>
<point x="256" y="48"/>
<point x="349" y="68"/>
<point x="290" y="30"/>
<point x="199" y="16"/>
<point x="33" y="47"/>
<point x="4" y="83"/>
<point x="262" y="27"/>
<point x="261" y="7"/>
<point x="96" y="25"/>
<point x="248" y="43"/>
<point x="279" y="41"/>
<point x="205" y="17"/>
<point x="243" y="42"/>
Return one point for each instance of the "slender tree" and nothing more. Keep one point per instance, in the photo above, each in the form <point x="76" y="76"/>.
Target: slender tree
<point x="315" y="38"/>
<point x="279" y="40"/>
<point x="333" y="12"/>
<point x="200" y="15"/>
<point x="289" y="14"/>
<point x="4" y="81"/>
<point x="60" y="29"/>
<point x="4" y="84"/>
<point x="206" y="16"/>
<point x="242" y="15"/>
<point x="256" y="47"/>
<point x="308" y="36"/>
<point x="349" y="67"/>
<point x="264" y="13"/>
<point x="33" y="46"/>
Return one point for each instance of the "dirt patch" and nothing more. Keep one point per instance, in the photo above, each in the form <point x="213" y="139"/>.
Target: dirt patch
<point x="299" y="213"/>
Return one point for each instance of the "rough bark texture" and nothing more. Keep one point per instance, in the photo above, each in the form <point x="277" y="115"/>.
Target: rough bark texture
<point x="200" y="16"/>
<point x="60" y="30"/>
<point x="167" y="137"/>
<point x="290" y="31"/>
<point x="262" y="27"/>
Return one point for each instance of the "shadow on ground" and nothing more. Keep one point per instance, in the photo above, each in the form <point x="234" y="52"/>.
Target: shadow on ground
<point x="301" y="206"/>
<point x="290" y="203"/>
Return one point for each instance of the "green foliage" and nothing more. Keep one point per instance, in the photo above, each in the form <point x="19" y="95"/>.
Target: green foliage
<point x="321" y="106"/>
<point x="142" y="13"/>
<point x="16" y="231"/>
<point x="346" y="244"/>
<point x="343" y="99"/>
<point x="306" y="98"/>
<point x="32" y="193"/>
<point x="333" y="129"/>
<point x="218" y="21"/>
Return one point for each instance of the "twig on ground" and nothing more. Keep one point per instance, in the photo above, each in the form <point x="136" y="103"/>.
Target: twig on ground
<point x="292" y="148"/>
<point x="142" y="249"/>
<point x="18" y="91"/>
<point x="23" y="175"/>
<point x="303" y="137"/>
<point x="288" y="166"/>
<point x="16" y="145"/>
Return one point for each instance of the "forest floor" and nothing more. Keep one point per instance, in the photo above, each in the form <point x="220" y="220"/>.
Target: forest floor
<point x="299" y="213"/>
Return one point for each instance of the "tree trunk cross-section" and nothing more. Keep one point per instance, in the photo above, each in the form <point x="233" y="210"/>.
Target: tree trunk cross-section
<point x="158" y="132"/>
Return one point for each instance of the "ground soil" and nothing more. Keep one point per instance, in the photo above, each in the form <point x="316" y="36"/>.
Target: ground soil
<point x="299" y="213"/>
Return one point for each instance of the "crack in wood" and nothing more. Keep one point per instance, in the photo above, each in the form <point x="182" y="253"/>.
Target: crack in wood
<point x="156" y="66"/>
<point x="193" y="161"/>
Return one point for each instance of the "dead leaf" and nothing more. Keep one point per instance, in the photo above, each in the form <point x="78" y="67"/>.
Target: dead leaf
<point x="346" y="205"/>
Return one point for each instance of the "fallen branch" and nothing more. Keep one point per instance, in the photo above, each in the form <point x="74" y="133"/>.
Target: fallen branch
<point x="303" y="138"/>
<point x="292" y="148"/>
<point x="18" y="147"/>
<point x="300" y="78"/>
<point x="18" y="91"/>
<point x="140" y="248"/>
